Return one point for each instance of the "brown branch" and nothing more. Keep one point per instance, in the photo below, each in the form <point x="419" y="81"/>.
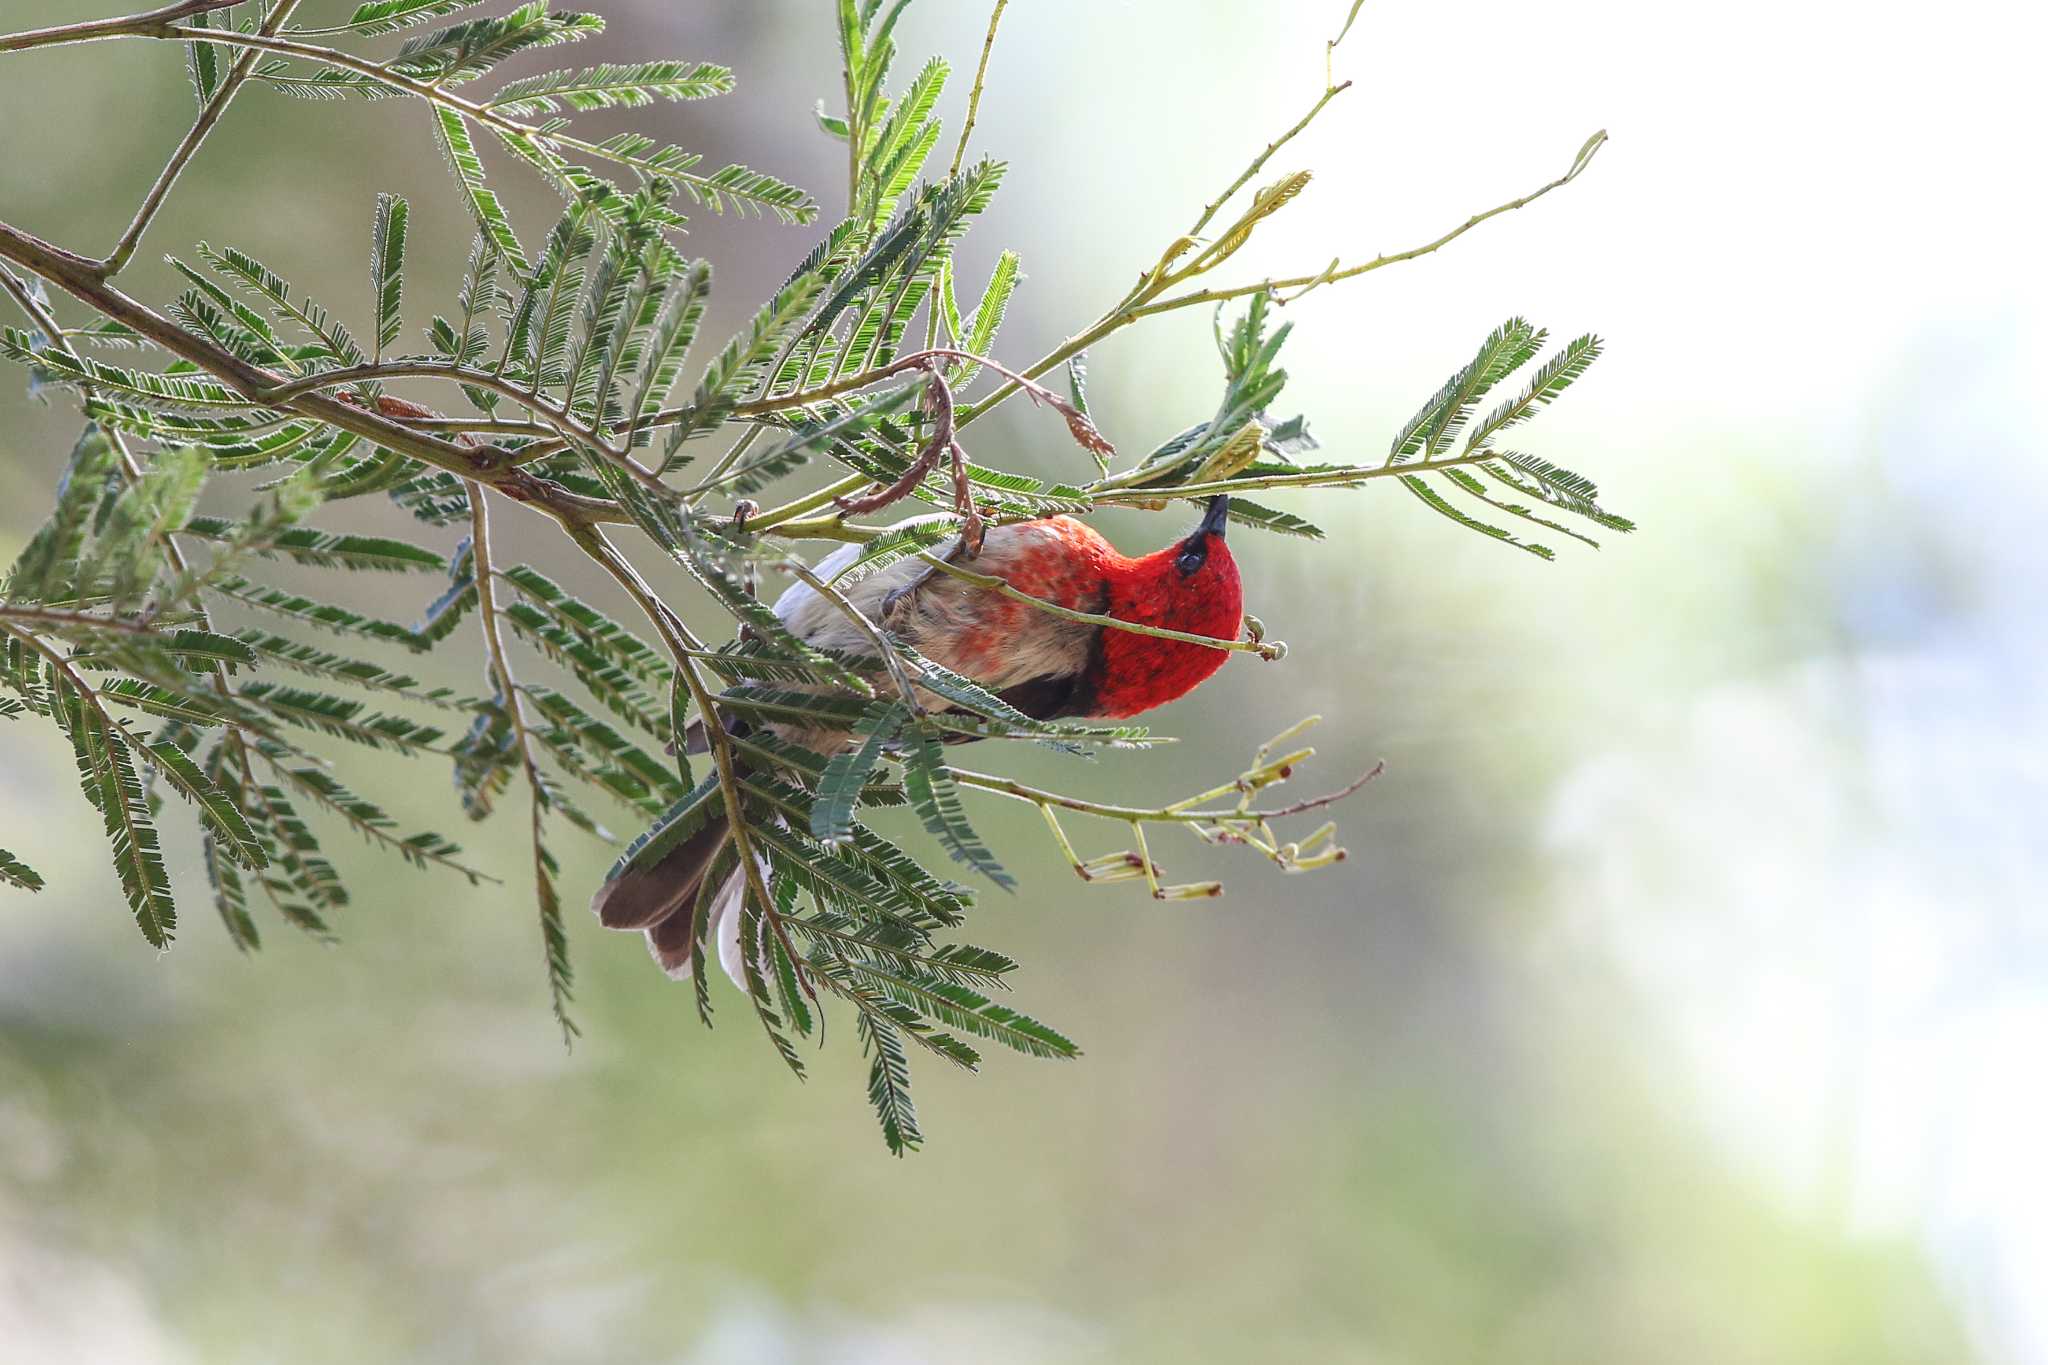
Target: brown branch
<point x="156" y="23"/>
<point x="73" y="620"/>
<point x="80" y="277"/>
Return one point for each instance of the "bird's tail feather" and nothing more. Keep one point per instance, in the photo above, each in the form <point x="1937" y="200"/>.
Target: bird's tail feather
<point x="673" y="942"/>
<point x="642" y="897"/>
<point x="661" y="901"/>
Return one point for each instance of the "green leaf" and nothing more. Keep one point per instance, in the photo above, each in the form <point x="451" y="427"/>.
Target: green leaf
<point x="988" y="319"/>
<point x="1432" y="429"/>
<point x="249" y="274"/>
<point x="537" y="340"/>
<point x="216" y="809"/>
<point x="629" y="86"/>
<point x="320" y="663"/>
<point x="18" y="874"/>
<point x="51" y="557"/>
<point x="483" y="202"/>
<point x="554" y="937"/>
<point x="387" y="269"/>
<point x="109" y="778"/>
<point x="327" y="549"/>
<point x="230" y="894"/>
<point x="898" y="950"/>
<point x="606" y="744"/>
<point x="619" y="644"/>
<point x="300" y="882"/>
<point x="165" y="392"/>
<point x="800" y="445"/>
<point x="1556" y="375"/>
<point x="937" y="802"/>
<point x="688" y="815"/>
<point x="899" y="148"/>
<point x="840" y="788"/>
<point x="1555" y="485"/>
<point x="1247" y="513"/>
<point x="389" y="16"/>
<point x="341" y="717"/>
<point x="737" y="370"/>
<point x="1419" y="486"/>
<point x="422" y="850"/>
<point x="966" y="1009"/>
<point x="751" y="956"/>
<point x="904" y="538"/>
<point x="662" y="360"/>
<point x="465" y="51"/>
<point x="889" y="1084"/>
<point x="732" y="188"/>
<point x="864" y="876"/>
<point x="129" y="550"/>
<point x="326" y="615"/>
<point x="203" y="60"/>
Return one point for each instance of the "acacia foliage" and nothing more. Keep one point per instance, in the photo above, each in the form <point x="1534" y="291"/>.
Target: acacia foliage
<point x="156" y="639"/>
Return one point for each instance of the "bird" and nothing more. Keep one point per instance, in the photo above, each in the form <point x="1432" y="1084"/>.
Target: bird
<point x="1044" y="665"/>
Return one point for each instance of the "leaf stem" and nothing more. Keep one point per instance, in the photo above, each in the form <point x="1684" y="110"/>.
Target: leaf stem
<point x="974" y="95"/>
<point x="515" y="710"/>
<point x="210" y="114"/>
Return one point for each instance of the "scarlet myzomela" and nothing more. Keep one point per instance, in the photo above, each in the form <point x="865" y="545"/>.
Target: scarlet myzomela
<point x="1044" y="665"/>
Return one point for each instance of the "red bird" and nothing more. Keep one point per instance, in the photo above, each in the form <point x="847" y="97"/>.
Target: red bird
<point x="1041" y="664"/>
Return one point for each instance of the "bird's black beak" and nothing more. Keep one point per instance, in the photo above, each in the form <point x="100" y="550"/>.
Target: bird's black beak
<point x="1218" y="515"/>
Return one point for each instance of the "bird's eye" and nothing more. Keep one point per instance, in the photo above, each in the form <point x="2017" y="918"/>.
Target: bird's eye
<point x="1189" y="561"/>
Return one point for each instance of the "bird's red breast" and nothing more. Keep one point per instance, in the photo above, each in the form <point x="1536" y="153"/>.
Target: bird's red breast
<point x="1130" y="672"/>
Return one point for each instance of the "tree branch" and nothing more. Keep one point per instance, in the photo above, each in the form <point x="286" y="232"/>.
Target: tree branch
<point x="156" y="23"/>
<point x="80" y="277"/>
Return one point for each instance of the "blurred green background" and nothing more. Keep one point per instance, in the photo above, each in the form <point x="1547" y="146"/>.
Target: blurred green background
<point x="1681" y="1000"/>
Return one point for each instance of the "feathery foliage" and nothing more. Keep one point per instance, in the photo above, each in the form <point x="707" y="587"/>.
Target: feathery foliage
<point x="160" y="643"/>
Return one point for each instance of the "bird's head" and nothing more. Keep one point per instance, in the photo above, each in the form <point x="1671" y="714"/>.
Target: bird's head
<point x="1191" y="586"/>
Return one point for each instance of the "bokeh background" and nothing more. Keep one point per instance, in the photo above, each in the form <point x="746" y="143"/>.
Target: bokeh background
<point x="1682" y="1000"/>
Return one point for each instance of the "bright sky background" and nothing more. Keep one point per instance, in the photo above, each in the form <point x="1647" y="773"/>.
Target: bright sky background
<point x="1814" y="247"/>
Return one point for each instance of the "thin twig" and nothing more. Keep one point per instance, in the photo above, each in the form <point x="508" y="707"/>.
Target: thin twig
<point x="515" y="710"/>
<point x="209" y="115"/>
<point x="1144" y="301"/>
<point x="1258" y="162"/>
<point x="1327" y="276"/>
<point x="1331" y="799"/>
<point x="980" y="79"/>
<point x="73" y="620"/>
